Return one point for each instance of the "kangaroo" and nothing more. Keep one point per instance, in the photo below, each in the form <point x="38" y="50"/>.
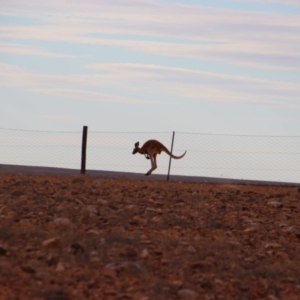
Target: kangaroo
<point x="150" y="149"/>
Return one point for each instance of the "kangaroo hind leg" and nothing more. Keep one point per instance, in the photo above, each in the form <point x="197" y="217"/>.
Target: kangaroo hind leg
<point x="152" y="163"/>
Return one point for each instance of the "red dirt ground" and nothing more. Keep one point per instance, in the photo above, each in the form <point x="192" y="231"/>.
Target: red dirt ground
<point x="73" y="237"/>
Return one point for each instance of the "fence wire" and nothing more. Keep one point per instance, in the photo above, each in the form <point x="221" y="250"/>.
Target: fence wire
<point x="271" y="158"/>
<point x="267" y="158"/>
<point x="40" y="148"/>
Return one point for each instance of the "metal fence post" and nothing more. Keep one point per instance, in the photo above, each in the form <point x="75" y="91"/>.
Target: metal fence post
<point x="83" y="149"/>
<point x="170" y="156"/>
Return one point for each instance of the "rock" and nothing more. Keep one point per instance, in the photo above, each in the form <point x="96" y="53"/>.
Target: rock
<point x="291" y="229"/>
<point x="92" y="210"/>
<point x="60" y="267"/>
<point x="77" y="201"/>
<point x="3" y="251"/>
<point x="94" y="260"/>
<point x="77" y="248"/>
<point x="125" y="265"/>
<point x="187" y="294"/>
<point x="283" y="255"/>
<point x="144" y="253"/>
<point x="250" y="229"/>
<point x="4" y="210"/>
<point x="156" y="219"/>
<point x="17" y="193"/>
<point x="43" y="276"/>
<point x="93" y="231"/>
<point x="102" y="202"/>
<point x="176" y="284"/>
<point x="272" y="245"/>
<point x="131" y="207"/>
<point x="60" y="208"/>
<point x="52" y="243"/>
<point x="191" y="249"/>
<point x="129" y="253"/>
<point x="136" y="220"/>
<point x="156" y="203"/>
<point x="28" y="269"/>
<point x="64" y="222"/>
<point x="110" y="273"/>
<point x="275" y="204"/>
<point x="150" y="210"/>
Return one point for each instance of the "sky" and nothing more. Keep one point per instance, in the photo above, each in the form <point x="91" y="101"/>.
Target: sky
<point x="220" y="67"/>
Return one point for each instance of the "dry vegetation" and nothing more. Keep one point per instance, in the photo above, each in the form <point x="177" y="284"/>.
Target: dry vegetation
<point x="94" y="238"/>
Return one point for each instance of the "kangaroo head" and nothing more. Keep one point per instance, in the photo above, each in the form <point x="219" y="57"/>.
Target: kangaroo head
<point x="136" y="148"/>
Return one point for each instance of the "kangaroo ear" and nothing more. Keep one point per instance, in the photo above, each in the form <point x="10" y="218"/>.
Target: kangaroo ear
<point x="136" y="144"/>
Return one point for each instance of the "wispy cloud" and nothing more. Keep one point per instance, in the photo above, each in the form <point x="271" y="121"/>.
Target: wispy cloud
<point x="261" y="40"/>
<point x="160" y="81"/>
<point x="84" y="95"/>
<point x="19" y="49"/>
<point x="286" y="2"/>
<point x="204" y="85"/>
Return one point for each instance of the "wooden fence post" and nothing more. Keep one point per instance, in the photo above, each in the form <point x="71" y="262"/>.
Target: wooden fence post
<point x="83" y="149"/>
<point x="170" y="156"/>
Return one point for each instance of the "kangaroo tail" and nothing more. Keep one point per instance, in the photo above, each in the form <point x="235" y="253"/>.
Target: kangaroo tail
<point x="178" y="157"/>
<point x="173" y="156"/>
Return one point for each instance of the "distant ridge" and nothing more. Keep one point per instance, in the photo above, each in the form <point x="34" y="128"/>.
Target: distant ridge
<point x="33" y="170"/>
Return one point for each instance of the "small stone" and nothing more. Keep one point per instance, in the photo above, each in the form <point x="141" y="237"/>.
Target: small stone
<point x="52" y="243"/>
<point x="94" y="259"/>
<point x="272" y="245"/>
<point x="290" y="229"/>
<point x="135" y="221"/>
<point x="250" y="229"/>
<point x="282" y="255"/>
<point x="94" y="253"/>
<point x="131" y="207"/>
<point x="275" y="204"/>
<point x="28" y="269"/>
<point x="176" y="284"/>
<point x="125" y="265"/>
<point x="4" y="210"/>
<point x="102" y="202"/>
<point x="129" y="252"/>
<point x="150" y="210"/>
<point x="60" y="267"/>
<point x="3" y="251"/>
<point x="63" y="222"/>
<point x="92" y="209"/>
<point x="144" y="253"/>
<point x="60" y="208"/>
<point x="77" y="248"/>
<point x="110" y="273"/>
<point x="156" y="219"/>
<point x="93" y="231"/>
<point x="187" y="294"/>
<point x="77" y="201"/>
<point x="191" y="249"/>
<point x="43" y="276"/>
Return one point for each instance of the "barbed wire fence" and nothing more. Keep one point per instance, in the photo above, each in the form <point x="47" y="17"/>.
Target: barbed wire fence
<point x="263" y="158"/>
